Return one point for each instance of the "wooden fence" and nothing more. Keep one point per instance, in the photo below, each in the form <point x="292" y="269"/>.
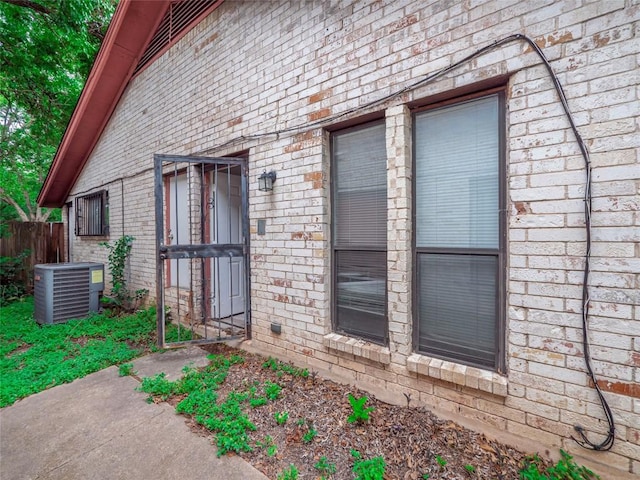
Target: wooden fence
<point x="43" y="241"/>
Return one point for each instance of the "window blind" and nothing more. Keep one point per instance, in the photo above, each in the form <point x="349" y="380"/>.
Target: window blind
<point x="359" y="178"/>
<point x="457" y="191"/>
<point x="457" y="305"/>
<point x="457" y="176"/>
<point x="360" y="187"/>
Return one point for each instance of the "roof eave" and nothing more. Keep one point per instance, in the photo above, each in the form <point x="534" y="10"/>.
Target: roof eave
<point x="131" y="28"/>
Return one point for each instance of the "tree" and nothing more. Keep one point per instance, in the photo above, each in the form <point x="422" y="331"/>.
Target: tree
<point x="47" y="48"/>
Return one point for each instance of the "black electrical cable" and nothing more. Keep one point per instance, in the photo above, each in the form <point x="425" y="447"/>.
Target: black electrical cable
<point x="584" y="442"/>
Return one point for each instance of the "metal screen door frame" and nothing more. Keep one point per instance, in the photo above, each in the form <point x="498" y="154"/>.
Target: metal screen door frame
<point x="199" y="327"/>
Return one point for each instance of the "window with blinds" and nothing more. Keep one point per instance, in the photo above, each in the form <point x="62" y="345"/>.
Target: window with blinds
<point x="359" y="181"/>
<point x="92" y="214"/>
<point x="458" y="231"/>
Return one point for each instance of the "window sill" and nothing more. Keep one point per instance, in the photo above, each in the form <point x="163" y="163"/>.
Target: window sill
<point x="359" y="348"/>
<point x="458" y="374"/>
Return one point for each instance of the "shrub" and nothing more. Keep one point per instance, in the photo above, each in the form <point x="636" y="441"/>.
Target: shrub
<point x="11" y="287"/>
<point x="121" y="297"/>
<point x="565" y="469"/>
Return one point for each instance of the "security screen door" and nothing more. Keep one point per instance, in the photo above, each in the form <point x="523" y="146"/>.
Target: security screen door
<point x="202" y="233"/>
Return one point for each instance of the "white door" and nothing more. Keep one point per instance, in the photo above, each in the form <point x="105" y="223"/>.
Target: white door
<point x="178" y="234"/>
<point x="227" y="284"/>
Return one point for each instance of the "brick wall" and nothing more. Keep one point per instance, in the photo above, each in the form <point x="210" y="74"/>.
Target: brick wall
<point x="302" y="62"/>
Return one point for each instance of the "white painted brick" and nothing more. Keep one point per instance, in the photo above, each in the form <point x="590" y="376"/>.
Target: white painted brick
<point x="559" y="178"/>
<point x="529" y="275"/>
<point x="539" y="193"/>
<point x="557" y="373"/>
<point x="557" y="235"/>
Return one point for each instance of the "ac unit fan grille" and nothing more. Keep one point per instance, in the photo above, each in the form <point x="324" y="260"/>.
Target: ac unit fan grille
<point x="66" y="291"/>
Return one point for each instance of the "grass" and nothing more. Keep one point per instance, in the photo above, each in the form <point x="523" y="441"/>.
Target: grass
<point x="34" y="357"/>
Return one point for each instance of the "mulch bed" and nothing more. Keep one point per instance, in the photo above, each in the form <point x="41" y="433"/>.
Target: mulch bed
<point x="410" y="439"/>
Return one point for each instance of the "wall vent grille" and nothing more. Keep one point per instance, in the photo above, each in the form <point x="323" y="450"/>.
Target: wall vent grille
<point x="180" y="15"/>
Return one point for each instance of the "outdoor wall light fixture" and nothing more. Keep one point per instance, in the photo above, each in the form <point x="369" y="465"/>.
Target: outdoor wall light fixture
<point x="266" y="181"/>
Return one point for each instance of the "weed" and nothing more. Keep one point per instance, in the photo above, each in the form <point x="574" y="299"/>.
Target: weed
<point x="281" y="417"/>
<point x="310" y="435"/>
<point x="226" y="419"/>
<point x="565" y="469"/>
<point x="425" y="476"/>
<point x="235" y="359"/>
<point x="198" y="401"/>
<point x="290" y="473"/>
<point x="470" y="469"/>
<point x="325" y="468"/>
<point x="358" y="411"/>
<point x="372" y="469"/>
<point x="258" y="402"/>
<point x="269" y="445"/>
<point x="231" y="428"/>
<point x="281" y="367"/>
<point x="126" y="369"/>
<point x="158" y="386"/>
<point x="271" y="363"/>
<point x="441" y="462"/>
<point x="272" y="390"/>
<point x="178" y="333"/>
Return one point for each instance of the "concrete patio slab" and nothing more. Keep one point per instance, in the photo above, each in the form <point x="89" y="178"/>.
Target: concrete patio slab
<point x="170" y="362"/>
<point x="100" y="427"/>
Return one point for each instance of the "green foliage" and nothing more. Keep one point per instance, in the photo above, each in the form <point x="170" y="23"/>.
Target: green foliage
<point x="425" y="476"/>
<point x="197" y="401"/>
<point x="281" y="368"/>
<point x="126" y="369"/>
<point x="227" y="419"/>
<point x="258" y="402"/>
<point x="158" y="386"/>
<point x="565" y="469"/>
<point x="272" y="390"/>
<point x="358" y="411"/>
<point x="325" y="468"/>
<point x="121" y="298"/>
<point x="11" y="287"/>
<point x="290" y="473"/>
<point x="281" y="417"/>
<point x="371" y="469"/>
<point x="48" y="47"/>
<point x="231" y="425"/>
<point x="470" y="469"/>
<point x="310" y="434"/>
<point x="441" y="461"/>
<point x="269" y="445"/>
<point x="178" y="333"/>
<point x="35" y="357"/>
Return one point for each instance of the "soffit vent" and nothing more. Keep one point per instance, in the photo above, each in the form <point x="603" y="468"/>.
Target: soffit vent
<point x="180" y="16"/>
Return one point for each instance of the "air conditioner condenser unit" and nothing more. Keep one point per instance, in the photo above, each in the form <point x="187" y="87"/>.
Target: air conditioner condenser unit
<point x="67" y="290"/>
